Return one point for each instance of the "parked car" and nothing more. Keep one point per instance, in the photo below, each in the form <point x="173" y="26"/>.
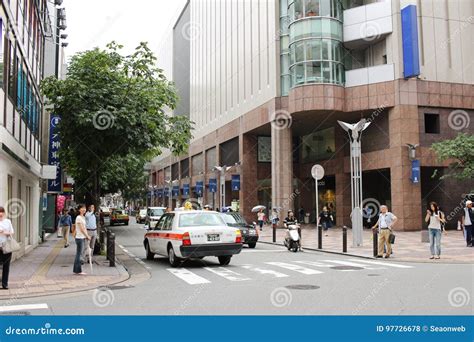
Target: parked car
<point x="153" y="214"/>
<point x="191" y="234"/>
<point x="118" y="216"/>
<point x="141" y="216"/>
<point x="249" y="231"/>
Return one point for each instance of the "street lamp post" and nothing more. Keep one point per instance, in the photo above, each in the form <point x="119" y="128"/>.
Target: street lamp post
<point x="355" y="134"/>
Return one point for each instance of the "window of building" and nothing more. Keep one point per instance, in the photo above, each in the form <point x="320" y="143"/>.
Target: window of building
<point x="229" y="152"/>
<point x="318" y="146"/>
<point x="11" y="71"/>
<point x="211" y="158"/>
<point x="185" y="168"/>
<point x="197" y="164"/>
<point x="431" y="123"/>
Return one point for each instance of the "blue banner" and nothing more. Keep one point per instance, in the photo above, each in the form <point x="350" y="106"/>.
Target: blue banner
<point x="235" y="182"/>
<point x="186" y="189"/>
<point x="166" y="192"/>
<point x="415" y="170"/>
<point x="212" y="185"/>
<point x="411" y="59"/>
<point x="199" y="188"/>
<point x="54" y="185"/>
<point x="159" y="193"/>
<point x="175" y="190"/>
<point x="270" y="328"/>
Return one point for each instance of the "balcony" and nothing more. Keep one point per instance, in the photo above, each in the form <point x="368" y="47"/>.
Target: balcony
<point x="370" y="75"/>
<point x="367" y="25"/>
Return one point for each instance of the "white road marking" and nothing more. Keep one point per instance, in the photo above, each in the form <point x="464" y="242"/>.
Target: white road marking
<point x="226" y="273"/>
<point x="245" y="250"/>
<point x="354" y="264"/>
<point x="383" y="263"/>
<point x="125" y="250"/>
<point x="189" y="277"/>
<point x="296" y="268"/>
<point x="264" y="271"/>
<point x="313" y="263"/>
<point x="121" y="246"/>
<point x="23" y="307"/>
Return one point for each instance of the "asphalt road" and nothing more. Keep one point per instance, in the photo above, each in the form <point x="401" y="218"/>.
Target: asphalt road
<point x="271" y="280"/>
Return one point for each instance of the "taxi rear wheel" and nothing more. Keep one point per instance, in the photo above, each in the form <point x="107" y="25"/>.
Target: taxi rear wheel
<point x="224" y="260"/>
<point x="149" y="254"/>
<point x="172" y="258"/>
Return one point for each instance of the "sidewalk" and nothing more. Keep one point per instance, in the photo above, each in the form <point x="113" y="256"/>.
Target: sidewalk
<point x="407" y="247"/>
<point x="47" y="270"/>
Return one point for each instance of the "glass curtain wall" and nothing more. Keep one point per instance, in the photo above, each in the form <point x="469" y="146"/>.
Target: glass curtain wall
<point x="315" y="42"/>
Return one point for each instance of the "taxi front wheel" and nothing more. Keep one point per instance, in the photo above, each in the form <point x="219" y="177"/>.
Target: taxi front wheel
<point x="224" y="260"/>
<point x="149" y="254"/>
<point x="172" y="258"/>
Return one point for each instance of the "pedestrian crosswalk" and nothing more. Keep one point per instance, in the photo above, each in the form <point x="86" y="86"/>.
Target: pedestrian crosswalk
<point x="276" y="269"/>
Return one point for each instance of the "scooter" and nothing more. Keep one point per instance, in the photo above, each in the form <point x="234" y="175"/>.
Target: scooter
<point x="292" y="238"/>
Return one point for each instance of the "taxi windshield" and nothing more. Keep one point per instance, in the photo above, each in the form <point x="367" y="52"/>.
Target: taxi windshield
<point x="200" y="219"/>
<point x="156" y="212"/>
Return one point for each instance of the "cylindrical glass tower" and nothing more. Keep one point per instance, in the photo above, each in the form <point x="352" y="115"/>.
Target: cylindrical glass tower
<point x="315" y="42"/>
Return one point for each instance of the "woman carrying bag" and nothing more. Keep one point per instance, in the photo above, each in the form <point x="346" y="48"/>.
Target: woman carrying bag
<point x="435" y="219"/>
<point x="7" y="246"/>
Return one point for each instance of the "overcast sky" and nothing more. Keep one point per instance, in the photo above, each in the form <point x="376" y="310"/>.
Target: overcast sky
<point x="92" y="23"/>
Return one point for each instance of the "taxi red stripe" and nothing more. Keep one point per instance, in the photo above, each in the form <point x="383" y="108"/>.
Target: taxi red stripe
<point x="169" y="236"/>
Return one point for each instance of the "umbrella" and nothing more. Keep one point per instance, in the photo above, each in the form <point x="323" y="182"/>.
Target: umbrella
<point x="257" y="208"/>
<point x="89" y="251"/>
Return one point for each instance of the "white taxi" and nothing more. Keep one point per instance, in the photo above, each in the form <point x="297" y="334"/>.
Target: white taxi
<point x="192" y="234"/>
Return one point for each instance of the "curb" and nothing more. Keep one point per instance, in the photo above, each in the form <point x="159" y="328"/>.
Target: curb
<point x="372" y="258"/>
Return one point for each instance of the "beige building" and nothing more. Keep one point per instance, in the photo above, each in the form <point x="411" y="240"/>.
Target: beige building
<point x="266" y="81"/>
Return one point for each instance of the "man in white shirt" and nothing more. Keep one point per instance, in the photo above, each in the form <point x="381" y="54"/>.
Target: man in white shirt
<point x="384" y="223"/>
<point x="91" y="226"/>
<point x="467" y="222"/>
<point x="6" y="230"/>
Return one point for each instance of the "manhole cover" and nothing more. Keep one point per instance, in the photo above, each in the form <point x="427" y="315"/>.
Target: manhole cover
<point x="346" y="268"/>
<point x="115" y="287"/>
<point x="302" y="287"/>
<point x="16" y="313"/>
<point x="373" y="275"/>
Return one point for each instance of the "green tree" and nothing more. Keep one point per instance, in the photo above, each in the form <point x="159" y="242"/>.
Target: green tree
<point x="460" y="151"/>
<point x="111" y="107"/>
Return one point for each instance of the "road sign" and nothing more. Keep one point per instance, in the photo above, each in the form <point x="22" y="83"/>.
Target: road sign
<point x="317" y="171"/>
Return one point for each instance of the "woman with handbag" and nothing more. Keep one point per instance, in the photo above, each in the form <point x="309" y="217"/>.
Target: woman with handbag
<point x="6" y="231"/>
<point x="435" y="219"/>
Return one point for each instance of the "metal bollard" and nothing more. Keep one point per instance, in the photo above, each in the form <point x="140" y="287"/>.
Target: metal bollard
<point x="344" y="239"/>
<point x="320" y="237"/>
<point x="274" y="232"/>
<point x="102" y="240"/>
<point x="111" y="249"/>
<point x="375" y="243"/>
<point x="107" y="234"/>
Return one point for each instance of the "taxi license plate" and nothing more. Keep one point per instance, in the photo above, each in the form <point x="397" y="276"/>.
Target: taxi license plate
<point x="213" y="237"/>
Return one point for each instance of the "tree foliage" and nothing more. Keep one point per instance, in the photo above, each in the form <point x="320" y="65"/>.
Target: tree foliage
<point x="113" y="115"/>
<point x="460" y="151"/>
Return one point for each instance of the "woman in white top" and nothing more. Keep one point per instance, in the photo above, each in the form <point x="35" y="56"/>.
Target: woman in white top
<point x="260" y="218"/>
<point x="81" y="235"/>
<point x="6" y="230"/>
<point x="435" y="219"/>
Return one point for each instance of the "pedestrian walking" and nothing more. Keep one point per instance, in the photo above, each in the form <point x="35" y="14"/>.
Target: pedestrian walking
<point x="435" y="219"/>
<point x="65" y="226"/>
<point x="91" y="226"/>
<point x="81" y="238"/>
<point x="260" y="218"/>
<point x="301" y="214"/>
<point x="467" y="221"/>
<point x="275" y="218"/>
<point x="6" y="231"/>
<point x="325" y="219"/>
<point x="384" y="224"/>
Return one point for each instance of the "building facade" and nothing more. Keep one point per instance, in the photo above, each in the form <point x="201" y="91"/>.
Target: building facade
<point x="25" y="27"/>
<point x="268" y="81"/>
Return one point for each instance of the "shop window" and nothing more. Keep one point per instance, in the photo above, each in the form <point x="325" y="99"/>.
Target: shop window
<point x="431" y="123"/>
